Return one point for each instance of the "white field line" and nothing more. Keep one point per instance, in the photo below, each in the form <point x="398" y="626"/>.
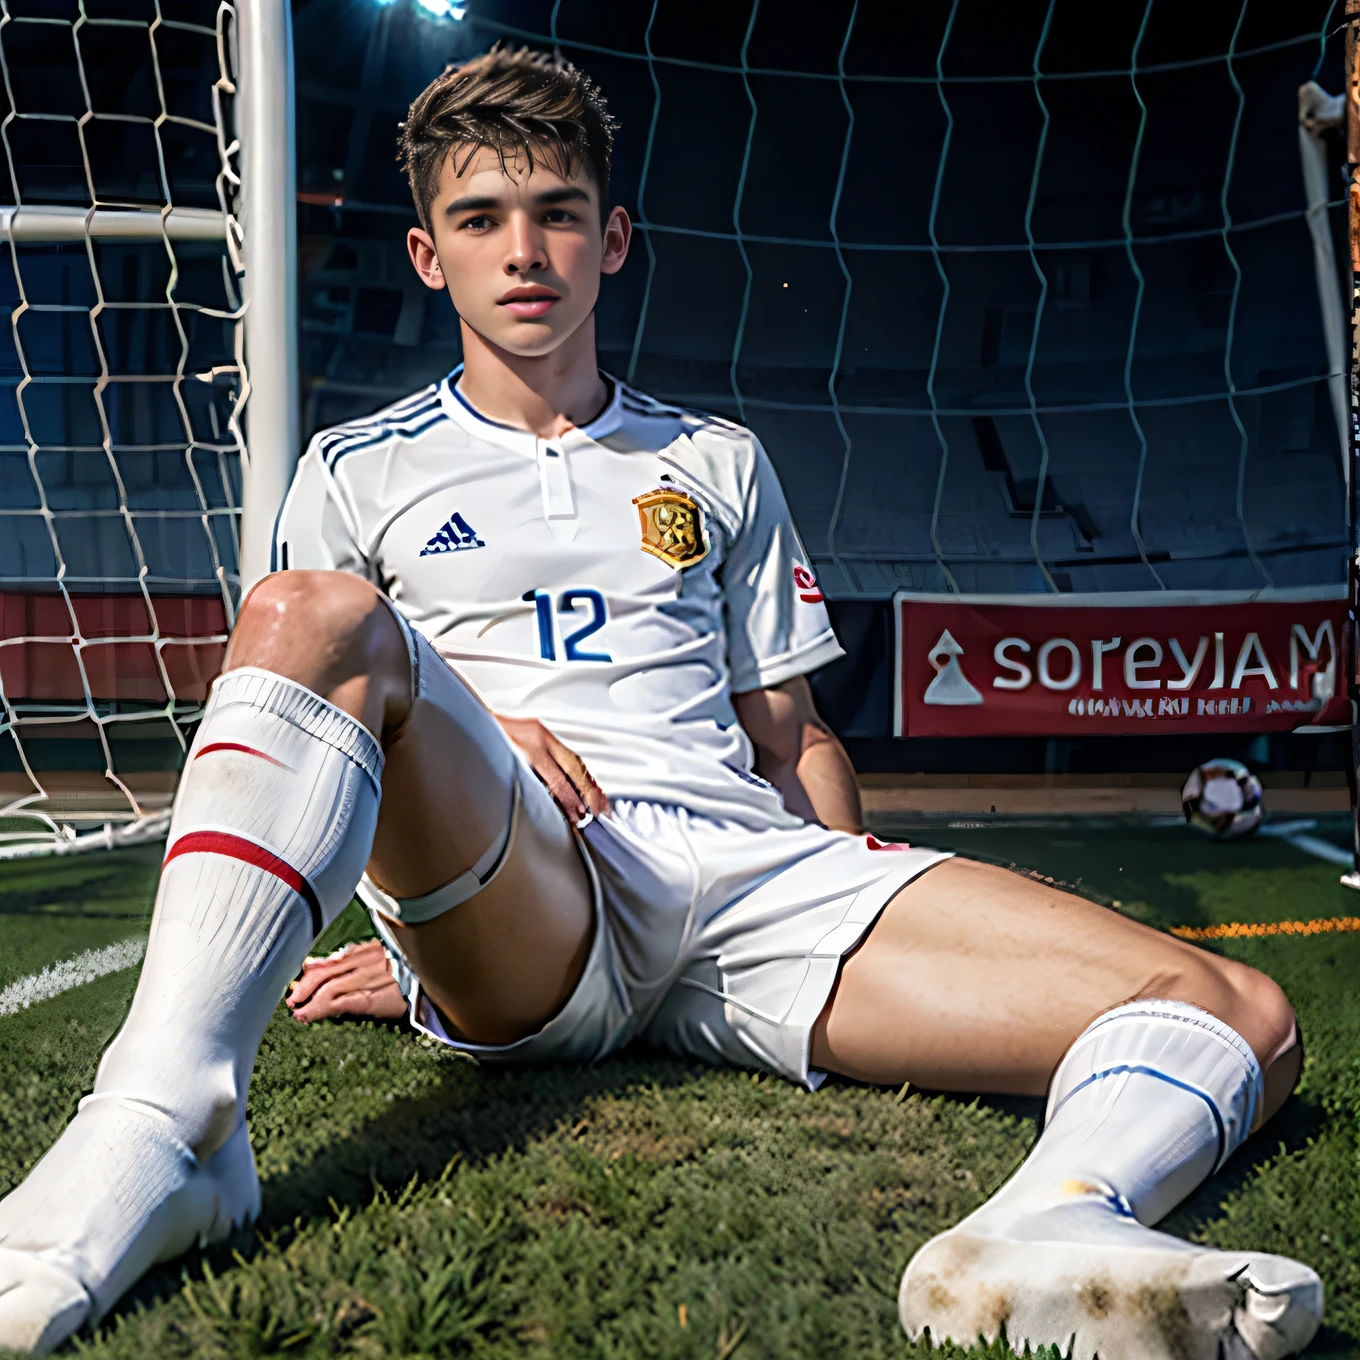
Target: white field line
<point x="1295" y="834"/>
<point x="61" y="977"/>
<point x="1311" y="845"/>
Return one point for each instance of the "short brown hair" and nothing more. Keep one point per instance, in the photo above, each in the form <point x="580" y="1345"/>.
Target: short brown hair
<point x="514" y="101"/>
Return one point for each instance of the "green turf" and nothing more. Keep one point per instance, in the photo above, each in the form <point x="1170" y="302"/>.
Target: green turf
<point x="416" y="1205"/>
<point x="55" y="908"/>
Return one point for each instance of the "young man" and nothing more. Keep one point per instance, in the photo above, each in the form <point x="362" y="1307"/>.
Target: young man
<point x="531" y="591"/>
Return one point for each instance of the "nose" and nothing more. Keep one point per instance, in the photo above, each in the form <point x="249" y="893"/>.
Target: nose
<point x="524" y="242"/>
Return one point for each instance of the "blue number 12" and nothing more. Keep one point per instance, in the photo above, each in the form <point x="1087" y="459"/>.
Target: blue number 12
<point x="566" y="605"/>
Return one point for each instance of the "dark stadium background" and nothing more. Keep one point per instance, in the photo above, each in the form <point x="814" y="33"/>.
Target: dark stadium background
<point x="370" y="333"/>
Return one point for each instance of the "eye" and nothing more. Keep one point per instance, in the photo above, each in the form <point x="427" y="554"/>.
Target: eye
<point x="477" y="224"/>
<point x="558" y="215"/>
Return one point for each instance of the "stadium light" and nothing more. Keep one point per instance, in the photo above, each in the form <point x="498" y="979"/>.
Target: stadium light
<point x="442" y="9"/>
<point x="435" y="9"/>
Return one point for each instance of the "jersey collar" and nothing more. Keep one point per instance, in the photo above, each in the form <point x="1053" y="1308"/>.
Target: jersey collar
<point x="525" y="442"/>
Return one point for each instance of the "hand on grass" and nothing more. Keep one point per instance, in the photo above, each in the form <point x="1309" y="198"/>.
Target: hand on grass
<point x="355" y="980"/>
<point x="560" y="768"/>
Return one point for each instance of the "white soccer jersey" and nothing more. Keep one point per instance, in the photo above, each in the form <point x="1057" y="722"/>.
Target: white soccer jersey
<point x="618" y="583"/>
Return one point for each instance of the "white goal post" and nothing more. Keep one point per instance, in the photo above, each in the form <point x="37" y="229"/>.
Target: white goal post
<point x="268" y="161"/>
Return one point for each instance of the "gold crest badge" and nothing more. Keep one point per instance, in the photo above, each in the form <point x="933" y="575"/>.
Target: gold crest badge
<point x="672" y="527"/>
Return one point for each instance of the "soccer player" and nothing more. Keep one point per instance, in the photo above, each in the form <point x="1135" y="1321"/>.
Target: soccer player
<point x="531" y="676"/>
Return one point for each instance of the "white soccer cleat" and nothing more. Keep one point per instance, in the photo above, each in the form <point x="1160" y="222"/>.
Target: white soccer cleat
<point x="117" y="1193"/>
<point x="1095" y="1283"/>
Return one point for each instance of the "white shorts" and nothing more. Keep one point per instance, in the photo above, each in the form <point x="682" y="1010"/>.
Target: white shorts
<point x="712" y="940"/>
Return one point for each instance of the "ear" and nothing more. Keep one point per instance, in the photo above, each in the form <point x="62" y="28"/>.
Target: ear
<point x="425" y="258"/>
<point x="618" y="233"/>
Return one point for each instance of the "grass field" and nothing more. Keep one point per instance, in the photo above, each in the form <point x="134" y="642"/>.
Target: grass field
<point x="416" y="1205"/>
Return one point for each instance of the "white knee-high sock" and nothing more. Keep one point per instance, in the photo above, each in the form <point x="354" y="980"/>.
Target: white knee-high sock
<point x="1152" y="1098"/>
<point x="272" y="826"/>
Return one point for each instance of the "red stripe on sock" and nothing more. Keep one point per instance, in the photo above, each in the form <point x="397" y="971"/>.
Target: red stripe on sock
<point x="237" y="847"/>
<point x="244" y="750"/>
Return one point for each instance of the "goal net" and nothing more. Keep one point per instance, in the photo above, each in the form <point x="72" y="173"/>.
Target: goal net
<point x="123" y="386"/>
<point x="1013" y="311"/>
<point x="1011" y="314"/>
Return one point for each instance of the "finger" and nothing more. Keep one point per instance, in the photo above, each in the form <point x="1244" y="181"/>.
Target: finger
<point x="312" y="978"/>
<point x="561" y="788"/>
<point x="326" y="963"/>
<point x="596" y="799"/>
<point x="543" y="765"/>
<point x="564" y="791"/>
<point x="376" y="977"/>
<point x="300" y="990"/>
<point x="340" y="996"/>
<point x="370" y="975"/>
<point x="321" y="1009"/>
<point x="317" y="971"/>
<point x="382" y="999"/>
<point x="591" y="794"/>
<point x="324" y="1002"/>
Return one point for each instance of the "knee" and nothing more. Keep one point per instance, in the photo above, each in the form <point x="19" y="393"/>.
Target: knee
<point x="320" y="603"/>
<point x="1266" y="1009"/>
<point x="1256" y="1007"/>
<point x="318" y="627"/>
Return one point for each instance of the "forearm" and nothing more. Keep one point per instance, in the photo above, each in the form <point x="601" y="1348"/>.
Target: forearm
<point x="828" y="780"/>
<point x="820" y="785"/>
<point x="799" y="754"/>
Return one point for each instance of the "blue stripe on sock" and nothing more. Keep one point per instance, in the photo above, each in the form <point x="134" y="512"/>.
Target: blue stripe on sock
<point x="1171" y="1081"/>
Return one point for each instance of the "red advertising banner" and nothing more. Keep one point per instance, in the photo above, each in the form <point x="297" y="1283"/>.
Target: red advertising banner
<point x="1116" y="663"/>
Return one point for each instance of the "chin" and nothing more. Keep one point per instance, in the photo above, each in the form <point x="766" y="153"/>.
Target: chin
<point x="529" y="346"/>
<point x="530" y="342"/>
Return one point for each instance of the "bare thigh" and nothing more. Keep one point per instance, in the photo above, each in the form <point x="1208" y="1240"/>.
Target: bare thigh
<point x="503" y="962"/>
<point x="978" y="979"/>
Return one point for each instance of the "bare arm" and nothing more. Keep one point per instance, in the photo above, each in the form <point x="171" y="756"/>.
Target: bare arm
<point x="799" y="754"/>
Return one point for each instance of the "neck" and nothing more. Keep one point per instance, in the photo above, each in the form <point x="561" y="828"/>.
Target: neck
<point x="547" y="393"/>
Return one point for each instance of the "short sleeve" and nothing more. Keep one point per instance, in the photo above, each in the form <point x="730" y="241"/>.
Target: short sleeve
<point x="312" y="530"/>
<point x="777" y="625"/>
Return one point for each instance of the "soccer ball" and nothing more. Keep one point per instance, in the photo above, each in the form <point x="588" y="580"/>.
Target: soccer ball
<point x="1223" y="797"/>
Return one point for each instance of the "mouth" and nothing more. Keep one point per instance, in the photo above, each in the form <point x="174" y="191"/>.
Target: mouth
<point x="530" y="302"/>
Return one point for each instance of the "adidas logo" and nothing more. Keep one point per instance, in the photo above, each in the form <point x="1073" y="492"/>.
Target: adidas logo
<point x="456" y="535"/>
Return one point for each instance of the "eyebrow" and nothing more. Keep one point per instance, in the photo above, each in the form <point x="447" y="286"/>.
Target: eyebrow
<point x="548" y="198"/>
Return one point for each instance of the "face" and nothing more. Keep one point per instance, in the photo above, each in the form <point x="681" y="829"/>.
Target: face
<point x="520" y="251"/>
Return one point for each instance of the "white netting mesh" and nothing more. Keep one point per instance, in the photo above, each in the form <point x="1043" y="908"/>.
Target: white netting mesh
<point x="121" y="386"/>
<point x="1012" y="310"/>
